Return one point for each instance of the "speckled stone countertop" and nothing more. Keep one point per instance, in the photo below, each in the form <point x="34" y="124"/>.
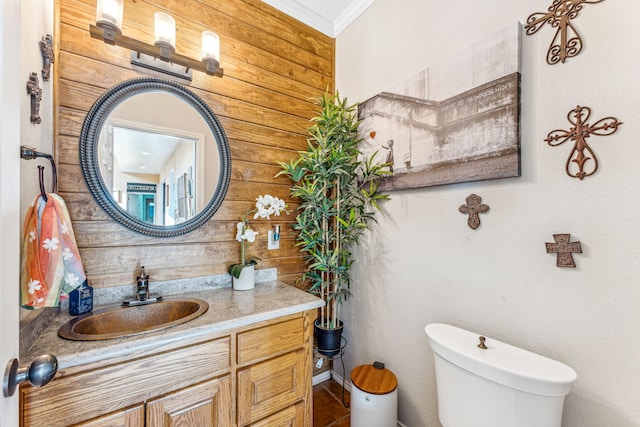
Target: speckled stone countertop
<point x="228" y="309"/>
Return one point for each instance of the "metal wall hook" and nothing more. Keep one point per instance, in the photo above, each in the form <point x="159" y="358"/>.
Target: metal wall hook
<point x="40" y="372"/>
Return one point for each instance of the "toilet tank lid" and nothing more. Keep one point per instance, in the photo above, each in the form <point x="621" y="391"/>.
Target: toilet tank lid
<point x="501" y="362"/>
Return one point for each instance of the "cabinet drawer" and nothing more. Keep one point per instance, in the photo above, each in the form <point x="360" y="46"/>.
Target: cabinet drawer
<point x="270" y="386"/>
<point x="266" y="342"/>
<point x="293" y="416"/>
<point x="113" y="388"/>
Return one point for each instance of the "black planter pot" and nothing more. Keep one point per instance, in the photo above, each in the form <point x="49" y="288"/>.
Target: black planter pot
<point x="328" y="340"/>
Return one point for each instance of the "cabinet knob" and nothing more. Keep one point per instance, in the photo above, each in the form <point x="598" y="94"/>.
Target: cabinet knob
<point x="40" y="372"/>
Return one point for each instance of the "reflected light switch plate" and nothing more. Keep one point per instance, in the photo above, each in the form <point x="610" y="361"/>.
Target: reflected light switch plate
<point x="272" y="244"/>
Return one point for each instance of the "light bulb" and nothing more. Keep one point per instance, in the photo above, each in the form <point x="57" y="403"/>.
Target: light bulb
<point x="165" y="31"/>
<point x="211" y="50"/>
<point x="109" y="14"/>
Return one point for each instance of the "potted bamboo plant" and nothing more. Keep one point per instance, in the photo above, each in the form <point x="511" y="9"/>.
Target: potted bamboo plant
<point x="338" y="190"/>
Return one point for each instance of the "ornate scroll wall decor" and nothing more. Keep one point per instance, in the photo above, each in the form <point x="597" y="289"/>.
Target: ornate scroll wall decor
<point x="580" y="130"/>
<point x="567" y="41"/>
<point x="563" y="248"/>
<point x="474" y="207"/>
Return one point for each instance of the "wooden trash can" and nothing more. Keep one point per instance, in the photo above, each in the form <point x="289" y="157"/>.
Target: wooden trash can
<point x="374" y="396"/>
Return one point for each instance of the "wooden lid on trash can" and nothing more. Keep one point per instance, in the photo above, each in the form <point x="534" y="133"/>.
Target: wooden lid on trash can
<point x="374" y="379"/>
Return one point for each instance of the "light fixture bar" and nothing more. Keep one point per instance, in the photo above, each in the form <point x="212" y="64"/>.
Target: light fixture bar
<point x="157" y="64"/>
<point x="114" y="38"/>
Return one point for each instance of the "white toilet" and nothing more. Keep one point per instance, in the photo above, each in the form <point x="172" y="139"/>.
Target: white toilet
<point x="500" y="386"/>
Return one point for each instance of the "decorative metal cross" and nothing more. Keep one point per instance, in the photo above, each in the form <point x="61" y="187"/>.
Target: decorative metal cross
<point x="35" y="92"/>
<point x="567" y="42"/>
<point x="473" y="208"/>
<point x="579" y="132"/>
<point x="563" y="248"/>
<point x="48" y="58"/>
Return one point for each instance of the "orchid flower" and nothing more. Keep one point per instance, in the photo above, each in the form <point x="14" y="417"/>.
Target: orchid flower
<point x="268" y="205"/>
<point x="265" y="207"/>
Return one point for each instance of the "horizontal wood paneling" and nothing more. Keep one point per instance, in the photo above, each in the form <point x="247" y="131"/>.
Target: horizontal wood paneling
<point x="295" y="102"/>
<point x="79" y="69"/>
<point x="274" y="66"/>
<point x="288" y="28"/>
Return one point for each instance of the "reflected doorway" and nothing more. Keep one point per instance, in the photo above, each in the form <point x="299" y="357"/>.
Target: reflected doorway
<point x="141" y="201"/>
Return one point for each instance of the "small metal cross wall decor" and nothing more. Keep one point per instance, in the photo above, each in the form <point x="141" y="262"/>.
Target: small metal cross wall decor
<point x="35" y="92"/>
<point x="566" y="42"/>
<point x="563" y="248"/>
<point x="48" y="58"/>
<point x="581" y="152"/>
<point x="473" y="208"/>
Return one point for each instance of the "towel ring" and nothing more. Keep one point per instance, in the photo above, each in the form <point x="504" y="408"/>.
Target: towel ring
<point x="30" y="153"/>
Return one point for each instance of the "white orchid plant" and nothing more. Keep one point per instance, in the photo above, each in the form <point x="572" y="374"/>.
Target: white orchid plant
<point x="265" y="207"/>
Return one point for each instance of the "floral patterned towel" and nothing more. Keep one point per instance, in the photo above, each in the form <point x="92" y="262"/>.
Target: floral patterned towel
<point x="51" y="263"/>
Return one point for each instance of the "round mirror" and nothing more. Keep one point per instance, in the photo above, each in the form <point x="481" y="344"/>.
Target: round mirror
<point x="155" y="157"/>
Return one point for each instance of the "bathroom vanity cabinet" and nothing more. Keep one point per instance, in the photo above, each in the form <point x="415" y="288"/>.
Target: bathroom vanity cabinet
<point x="256" y="375"/>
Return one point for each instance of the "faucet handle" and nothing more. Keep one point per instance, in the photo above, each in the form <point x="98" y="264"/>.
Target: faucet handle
<point x="482" y="345"/>
<point x="142" y="286"/>
<point x="142" y="275"/>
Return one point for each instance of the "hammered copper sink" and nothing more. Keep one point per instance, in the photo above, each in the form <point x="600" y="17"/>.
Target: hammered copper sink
<point x="126" y="321"/>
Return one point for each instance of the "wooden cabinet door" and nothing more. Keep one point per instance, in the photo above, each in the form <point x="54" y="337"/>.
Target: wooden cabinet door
<point x="293" y="416"/>
<point x="270" y="386"/>
<point x="130" y="417"/>
<point x="122" y="385"/>
<point x="204" y="405"/>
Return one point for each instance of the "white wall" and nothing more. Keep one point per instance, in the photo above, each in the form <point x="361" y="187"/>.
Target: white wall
<point x="37" y="16"/>
<point x="37" y="21"/>
<point x="423" y="264"/>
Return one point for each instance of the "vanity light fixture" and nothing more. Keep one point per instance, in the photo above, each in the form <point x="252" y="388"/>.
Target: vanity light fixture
<point x="161" y="56"/>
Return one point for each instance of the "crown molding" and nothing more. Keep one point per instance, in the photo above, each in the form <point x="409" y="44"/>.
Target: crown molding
<point x="303" y="14"/>
<point x="318" y="21"/>
<point x="349" y="15"/>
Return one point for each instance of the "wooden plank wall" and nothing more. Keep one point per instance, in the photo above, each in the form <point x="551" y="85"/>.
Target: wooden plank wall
<point x="273" y="65"/>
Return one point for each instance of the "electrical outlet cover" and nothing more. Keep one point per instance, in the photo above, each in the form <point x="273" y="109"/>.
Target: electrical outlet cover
<point x="272" y="244"/>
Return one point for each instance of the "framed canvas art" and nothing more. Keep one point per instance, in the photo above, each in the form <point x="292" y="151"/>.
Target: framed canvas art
<point x="457" y="121"/>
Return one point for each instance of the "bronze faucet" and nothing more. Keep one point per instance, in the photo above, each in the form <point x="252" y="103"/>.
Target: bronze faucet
<point x="143" y="296"/>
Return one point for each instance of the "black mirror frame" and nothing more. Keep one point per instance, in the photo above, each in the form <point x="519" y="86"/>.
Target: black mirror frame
<point x="89" y="154"/>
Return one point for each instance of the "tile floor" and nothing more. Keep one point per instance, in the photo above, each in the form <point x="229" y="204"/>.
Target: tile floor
<point x="328" y="410"/>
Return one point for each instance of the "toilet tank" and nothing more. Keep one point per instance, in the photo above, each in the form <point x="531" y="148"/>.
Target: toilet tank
<point x="501" y="386"/>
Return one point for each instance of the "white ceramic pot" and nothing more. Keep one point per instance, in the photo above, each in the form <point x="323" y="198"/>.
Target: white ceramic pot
<point x="247" y="279"/>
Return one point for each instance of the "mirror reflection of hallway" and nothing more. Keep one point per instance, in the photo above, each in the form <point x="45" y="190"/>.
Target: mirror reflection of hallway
<point x="133" y="155"/>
